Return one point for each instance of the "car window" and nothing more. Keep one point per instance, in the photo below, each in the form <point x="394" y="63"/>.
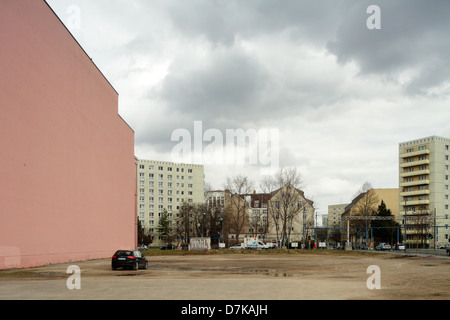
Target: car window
<point x="123" y="253"/>
<point x="137" y="254"/>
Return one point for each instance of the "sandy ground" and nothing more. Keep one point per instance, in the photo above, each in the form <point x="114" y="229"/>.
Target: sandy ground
<point x="240" y="277"/>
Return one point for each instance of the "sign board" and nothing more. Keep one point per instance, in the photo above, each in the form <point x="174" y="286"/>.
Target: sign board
<point x="294" y="244"/>
<point x="200" y="243"/>
<point x="322" y="244"/>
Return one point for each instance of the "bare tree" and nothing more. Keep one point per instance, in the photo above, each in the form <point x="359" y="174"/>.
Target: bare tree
<point x="287" y="204"/>
<point x="366" y="205"/>
<point x="237" y="212"/>
<point x="184" y="223"/>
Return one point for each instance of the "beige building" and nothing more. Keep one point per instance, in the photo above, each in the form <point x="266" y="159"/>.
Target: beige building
<point x="424" y="190"/>
<point x="282" y="215"/>
<point x="291" y="215"/>
<point x="366" y="204"/>
<point x="166" y="186"/>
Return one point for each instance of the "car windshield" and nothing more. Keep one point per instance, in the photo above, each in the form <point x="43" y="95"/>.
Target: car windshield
<point x="124" y="253"/>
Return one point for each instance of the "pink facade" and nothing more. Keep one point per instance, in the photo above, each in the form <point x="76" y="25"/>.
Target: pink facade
<point x="67" y="165"/>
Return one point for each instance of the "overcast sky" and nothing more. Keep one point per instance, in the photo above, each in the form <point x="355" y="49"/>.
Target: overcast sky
<point x="341" y="95"/>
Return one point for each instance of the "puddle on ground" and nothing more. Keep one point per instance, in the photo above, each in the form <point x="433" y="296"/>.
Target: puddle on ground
<point x="235" y="270"/>
<point x="271" y="273"/>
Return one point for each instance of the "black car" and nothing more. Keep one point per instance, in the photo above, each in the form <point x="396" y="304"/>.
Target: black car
<point x="128" y="259"/>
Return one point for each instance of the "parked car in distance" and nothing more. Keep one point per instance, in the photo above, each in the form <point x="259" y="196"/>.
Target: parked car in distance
<point x="142" y="247"/>
<point x="128" y="259"/>
<point x="168" y="247"/>
<point x="236" y="247"/>
<point x="383" y="246"/>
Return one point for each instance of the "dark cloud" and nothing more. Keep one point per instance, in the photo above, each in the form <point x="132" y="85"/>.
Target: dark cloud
<point x="413" y="38"/>
<point x="338" y="92"/>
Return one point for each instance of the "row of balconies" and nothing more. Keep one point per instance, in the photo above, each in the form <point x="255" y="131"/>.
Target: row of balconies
<point x="415" y="163"/>
<point x="414" y="173"/>
<point x="415" y="153"/>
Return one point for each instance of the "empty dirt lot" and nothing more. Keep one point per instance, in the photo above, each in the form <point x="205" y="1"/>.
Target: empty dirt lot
<point x="256" y="276"/>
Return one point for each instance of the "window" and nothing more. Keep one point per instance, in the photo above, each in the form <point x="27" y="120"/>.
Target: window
<point x="160" y="168"/>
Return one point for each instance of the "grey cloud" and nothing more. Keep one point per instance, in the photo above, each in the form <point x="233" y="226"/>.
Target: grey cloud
<point x="226" y="85"/>
<point x="413" y="36"/>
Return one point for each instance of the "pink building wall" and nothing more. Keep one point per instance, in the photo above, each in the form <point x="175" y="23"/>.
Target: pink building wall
<point x="67" y="165"/>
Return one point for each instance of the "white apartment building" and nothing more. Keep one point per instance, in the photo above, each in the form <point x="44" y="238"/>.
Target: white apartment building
<point x="424" y="190"/>
<point x="165" y="186"/>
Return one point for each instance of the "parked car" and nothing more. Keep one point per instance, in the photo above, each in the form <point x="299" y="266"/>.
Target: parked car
<point x="142" y="247"/>
<point x="383" y="246"/>
<point x="128" y="259"/>
<point x="236" y="247"/>
<point x="167" y="247"/>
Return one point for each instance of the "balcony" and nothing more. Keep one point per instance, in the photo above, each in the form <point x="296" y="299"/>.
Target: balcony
<point x="414" y="173"/>
<point x="414" y="183"/>
<point x="414" y="193"/>
<point x="416" y="202"/>
<point x="415" y="153"/>
<point x="414" y="163"/>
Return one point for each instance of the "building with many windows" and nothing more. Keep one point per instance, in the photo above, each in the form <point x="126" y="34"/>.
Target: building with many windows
<point x="165" y="186"/>
<point x="424" y="190"/>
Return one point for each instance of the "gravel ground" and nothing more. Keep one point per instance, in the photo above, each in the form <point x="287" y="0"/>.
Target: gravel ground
<point x="334" y="276"/>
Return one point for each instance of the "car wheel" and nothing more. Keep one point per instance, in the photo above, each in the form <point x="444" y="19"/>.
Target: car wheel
<point x="136" y="267"/>
<point x="146" y="265"/>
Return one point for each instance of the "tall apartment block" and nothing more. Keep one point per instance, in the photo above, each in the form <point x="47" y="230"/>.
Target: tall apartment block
<point x="424" y="191"/>
<point x="165" y="186"/>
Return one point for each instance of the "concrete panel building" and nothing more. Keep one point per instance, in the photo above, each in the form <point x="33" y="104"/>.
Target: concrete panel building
<point x="424" y="190"/>
<point x="166" y="186"/>
<point x="67" y="165"/>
